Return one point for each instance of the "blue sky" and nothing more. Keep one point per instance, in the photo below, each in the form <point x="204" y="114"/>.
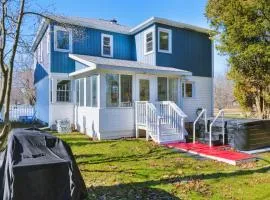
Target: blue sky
<point x="132" y="13"/>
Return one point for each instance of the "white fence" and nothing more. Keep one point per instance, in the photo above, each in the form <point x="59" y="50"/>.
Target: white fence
<point x="19" y="111"/>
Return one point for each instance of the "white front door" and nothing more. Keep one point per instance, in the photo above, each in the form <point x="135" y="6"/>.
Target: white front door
<point x="144" y="90"/>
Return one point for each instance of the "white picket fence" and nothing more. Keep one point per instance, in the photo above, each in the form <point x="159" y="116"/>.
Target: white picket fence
<point x="18" y="111"/>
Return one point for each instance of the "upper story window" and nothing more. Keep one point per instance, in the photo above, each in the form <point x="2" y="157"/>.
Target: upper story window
<point x="62" y="39"/>
<point x="149" y="41"/>
<point x="164" y="40"/>
<point x="107" y="45"/>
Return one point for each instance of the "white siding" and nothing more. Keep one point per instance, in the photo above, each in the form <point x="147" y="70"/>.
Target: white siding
<point x="60" y="111"/>
<point x="117" y="123"/>
<point x="203" y="97"/>
<point x="87" y="120"/>
<point x="139" y="40"/>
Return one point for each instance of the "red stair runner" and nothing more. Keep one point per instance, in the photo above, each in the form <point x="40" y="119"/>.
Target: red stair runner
<point x="220" y="153"/>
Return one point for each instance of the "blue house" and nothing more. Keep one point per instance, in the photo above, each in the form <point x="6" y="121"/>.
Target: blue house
<point x="111" y="80"/>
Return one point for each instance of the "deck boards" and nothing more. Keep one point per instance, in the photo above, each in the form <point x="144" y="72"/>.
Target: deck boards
<point x="219" y="153"/>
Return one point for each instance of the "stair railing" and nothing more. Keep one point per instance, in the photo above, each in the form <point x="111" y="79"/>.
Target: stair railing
<point x="204" y="111"/>
<point x="220" y="114"/>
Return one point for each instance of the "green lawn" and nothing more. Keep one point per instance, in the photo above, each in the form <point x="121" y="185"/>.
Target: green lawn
<point x="136" y="169"/>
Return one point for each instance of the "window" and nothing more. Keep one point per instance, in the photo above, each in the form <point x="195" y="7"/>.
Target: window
<point x="149" y="41"/>
<point x="82" y="92"/>
<point x="173" y="88"/>
<point x="126" y="90"/>
<point x="107" y="45"/>
<point x="91" y="91"/>
<point x="144" y="90"/>
<point x="167" y="89"/>
<point x="77" y="83"/>
<point x="63" y="93"/>
<point x="62" y="39"/>
<point x="162" y="89"/>
<point x="112" y="90"/>
<point x="188" y="89"/>
<point x="164" y="40"/>
<point x="118" y="90"/>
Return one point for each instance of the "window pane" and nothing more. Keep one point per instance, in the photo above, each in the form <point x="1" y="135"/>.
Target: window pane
<point x="149" y="42"/>
<point x="94" y="91"/>
<point x="82" y="92"/>
<point x="107" y="50"/>
<point x="77" y="91"/>
<point x="162" y="89"/>
<point x="189" y="89"/>
<point x="164" y="41"/>
<point x="63" y="91"/>
<point x="62" y="39"/>
<point x="173" y="90"/>
<point x="126" y="90"/>
<point x="112" y="90"/>
<point x="88" y="91"/>
<point x="144" y="90"/>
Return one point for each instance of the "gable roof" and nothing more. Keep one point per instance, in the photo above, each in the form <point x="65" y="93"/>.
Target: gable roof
<point x="94" y="62"/>
<point x="107" y="25"/>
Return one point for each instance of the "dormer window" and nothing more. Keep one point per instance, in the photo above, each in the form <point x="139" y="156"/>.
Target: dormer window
<point x="149" y="41"/>
<point x="107" y="45"/>
<point x="164" y="40"/>
<point x="62" y="39"/>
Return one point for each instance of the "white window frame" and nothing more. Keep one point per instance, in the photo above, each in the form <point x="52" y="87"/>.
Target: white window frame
<point x="40" y="51"/>
<point x="193" y="89"/>
<point x="69" y="30"/>
<point x="65" y="90"/>
<point x="48" y="42"/>
<point x="111" y="45"/>
<point x="150" y="30"/>
<point x="169" y="31"/>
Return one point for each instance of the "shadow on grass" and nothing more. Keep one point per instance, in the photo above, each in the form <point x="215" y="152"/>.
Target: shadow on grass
<point x="147" y="190"/>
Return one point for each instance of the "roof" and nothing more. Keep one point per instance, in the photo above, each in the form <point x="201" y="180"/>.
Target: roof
<point x="101" y="24"/>
<point x="94" y="62"/>
<point x="107" y="25"/>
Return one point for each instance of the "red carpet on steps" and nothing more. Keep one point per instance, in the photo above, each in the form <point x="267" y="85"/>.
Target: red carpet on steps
<point x="221" y="153"/>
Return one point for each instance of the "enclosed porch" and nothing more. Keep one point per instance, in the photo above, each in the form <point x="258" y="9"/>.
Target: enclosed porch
<point x="109" y="91"/>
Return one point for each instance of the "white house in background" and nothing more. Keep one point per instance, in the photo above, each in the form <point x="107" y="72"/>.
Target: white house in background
<point x="110" y="80"/>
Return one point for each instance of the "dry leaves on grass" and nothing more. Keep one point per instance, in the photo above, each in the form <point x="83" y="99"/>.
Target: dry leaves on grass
<point x="193" y="185"/>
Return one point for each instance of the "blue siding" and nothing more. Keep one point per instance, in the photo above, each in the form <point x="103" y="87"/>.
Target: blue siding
<point x="42" y="101"/>
<point x="191" y="51"/>
<point x="87" y="41"/>
<point x="39" y="73"/>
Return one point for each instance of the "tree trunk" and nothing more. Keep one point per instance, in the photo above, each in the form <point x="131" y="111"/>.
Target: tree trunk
<point x="3" y="90"/>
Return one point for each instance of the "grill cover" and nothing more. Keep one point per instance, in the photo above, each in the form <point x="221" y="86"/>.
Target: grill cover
<point x="36" y="165"/>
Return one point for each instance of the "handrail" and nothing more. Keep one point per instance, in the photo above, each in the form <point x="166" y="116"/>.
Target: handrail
<point x="204" y="111"/>
<point x="177" y="109"/>
<point x="221" y="112"/>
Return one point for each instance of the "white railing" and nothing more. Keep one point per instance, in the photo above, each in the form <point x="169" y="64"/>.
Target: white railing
<point x="153" y="123"/>
<point x="146" y="115"/>
<point x="220" y="113"/>
<point x="172" y="115"/>
<point x="196" y="120"/>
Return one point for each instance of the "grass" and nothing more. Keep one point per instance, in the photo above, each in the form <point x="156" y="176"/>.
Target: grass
<point x="137" y="169"/>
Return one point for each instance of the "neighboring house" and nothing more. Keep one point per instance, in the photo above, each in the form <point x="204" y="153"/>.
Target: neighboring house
<point x="92" y="72"/>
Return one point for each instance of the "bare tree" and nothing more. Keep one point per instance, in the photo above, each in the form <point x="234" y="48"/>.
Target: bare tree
<point x="15" y="18"/>
<point x="223" y="92"/>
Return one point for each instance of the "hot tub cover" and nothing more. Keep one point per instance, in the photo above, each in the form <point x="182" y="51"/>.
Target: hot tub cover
<point x="37" y="165"/>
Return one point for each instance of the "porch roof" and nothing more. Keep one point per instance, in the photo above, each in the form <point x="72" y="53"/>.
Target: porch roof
<point x="94" y="62"/>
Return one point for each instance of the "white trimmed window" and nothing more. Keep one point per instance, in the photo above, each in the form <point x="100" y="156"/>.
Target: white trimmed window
<point x="62" y="39"/>
<point x="167" y="89"/>
<point x="164" y="40"/>
<point x="118" y="90"/>
<point x="149" y="41"/>
<point x="63" y="92"/>
<point x="106" y="45"/>
<point x="188" y="89"/>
